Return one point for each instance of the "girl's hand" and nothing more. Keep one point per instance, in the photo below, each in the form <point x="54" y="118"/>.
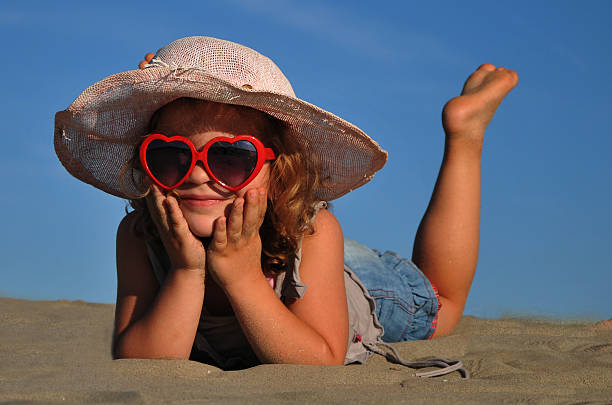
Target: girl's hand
<point x="186" y="251"/>
<point x="234" y="253"/>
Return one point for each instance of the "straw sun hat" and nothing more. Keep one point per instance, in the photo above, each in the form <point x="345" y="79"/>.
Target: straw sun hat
<point x="98" y="133"/>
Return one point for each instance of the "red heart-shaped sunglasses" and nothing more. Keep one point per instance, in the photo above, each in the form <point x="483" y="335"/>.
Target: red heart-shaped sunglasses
<point x="230" y="162"/>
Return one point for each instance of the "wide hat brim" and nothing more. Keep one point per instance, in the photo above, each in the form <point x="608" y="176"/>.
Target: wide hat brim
<point x="97" y="134"/>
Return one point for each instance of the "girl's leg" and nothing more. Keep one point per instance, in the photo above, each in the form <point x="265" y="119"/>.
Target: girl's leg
<point x="446" y="243"/>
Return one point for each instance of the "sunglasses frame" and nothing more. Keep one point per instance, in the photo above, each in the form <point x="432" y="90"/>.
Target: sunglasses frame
<point x="263" y="155"/>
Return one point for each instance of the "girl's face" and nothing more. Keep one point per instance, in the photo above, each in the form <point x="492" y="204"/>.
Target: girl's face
<point x="201" y="199"/>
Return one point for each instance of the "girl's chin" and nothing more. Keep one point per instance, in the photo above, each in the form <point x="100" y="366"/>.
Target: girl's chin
<point x="202" y="233"/>
<point x="201" y="229"/>
<point x="202" y="221"/>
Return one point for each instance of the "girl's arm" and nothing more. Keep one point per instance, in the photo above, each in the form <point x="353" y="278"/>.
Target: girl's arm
<point x="153" y="321"/>
<point x="446" y="244"/>
<point x="312" y="330"/>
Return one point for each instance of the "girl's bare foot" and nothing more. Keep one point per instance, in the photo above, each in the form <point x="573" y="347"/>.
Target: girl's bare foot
<point x="467" y="116"/>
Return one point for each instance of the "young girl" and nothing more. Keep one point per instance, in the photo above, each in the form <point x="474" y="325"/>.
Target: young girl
<point x="230" y="256"/>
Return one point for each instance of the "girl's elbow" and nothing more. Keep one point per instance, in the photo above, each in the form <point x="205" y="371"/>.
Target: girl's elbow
<point x="338" y="358"/>
<point x="333" y="357"/>
<point x="119" y="349"/>
<point x="336" y="362"/>
<point x="124" y="350"/>
<point x="118" y="355"/>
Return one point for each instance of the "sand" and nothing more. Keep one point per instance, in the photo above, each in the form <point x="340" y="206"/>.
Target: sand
<point x="57" y="352"/>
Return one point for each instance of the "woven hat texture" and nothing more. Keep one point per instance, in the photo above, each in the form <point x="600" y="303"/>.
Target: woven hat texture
<point x="98" y="133"/>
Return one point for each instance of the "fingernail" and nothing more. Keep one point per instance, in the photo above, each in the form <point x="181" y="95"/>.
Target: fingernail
<point x="262" y="191"/>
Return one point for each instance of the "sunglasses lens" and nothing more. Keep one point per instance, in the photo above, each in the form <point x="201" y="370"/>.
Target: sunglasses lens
<point x="232" y="163"/>
<point x="169" y="162"/>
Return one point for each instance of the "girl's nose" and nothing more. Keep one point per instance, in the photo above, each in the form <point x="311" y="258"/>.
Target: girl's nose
<point x="198" y="175"/>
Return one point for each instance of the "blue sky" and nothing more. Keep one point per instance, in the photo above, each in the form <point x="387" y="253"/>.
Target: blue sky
<point x="389" y="68"/>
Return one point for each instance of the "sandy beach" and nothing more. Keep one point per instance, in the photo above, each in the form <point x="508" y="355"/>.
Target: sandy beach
<point x="58" y="352"/>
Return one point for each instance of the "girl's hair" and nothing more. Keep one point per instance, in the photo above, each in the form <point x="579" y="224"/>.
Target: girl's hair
<point x="291" y="200"/>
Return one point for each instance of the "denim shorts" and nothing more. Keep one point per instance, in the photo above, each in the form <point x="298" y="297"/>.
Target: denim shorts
<point x="406" y="302"/>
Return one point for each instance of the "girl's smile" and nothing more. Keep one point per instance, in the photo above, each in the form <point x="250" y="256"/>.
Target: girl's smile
<point x="201" y="201"/>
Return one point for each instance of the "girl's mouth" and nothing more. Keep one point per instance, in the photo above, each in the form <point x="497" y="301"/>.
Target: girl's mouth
<point x="197" y="202"/>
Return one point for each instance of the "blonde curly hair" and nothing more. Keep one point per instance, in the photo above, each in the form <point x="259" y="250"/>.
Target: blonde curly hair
<point x="291" y="200"/>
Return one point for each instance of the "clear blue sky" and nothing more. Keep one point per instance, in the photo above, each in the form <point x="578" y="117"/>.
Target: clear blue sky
<point x="388" y="67"/>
